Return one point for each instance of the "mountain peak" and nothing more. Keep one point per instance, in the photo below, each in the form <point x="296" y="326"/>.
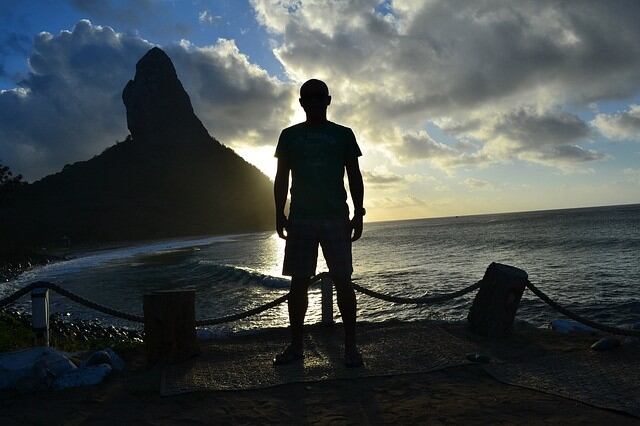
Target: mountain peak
<point x="155" y="60"/>
<point x="159" y="110"/>
<point x="173" y="180"/>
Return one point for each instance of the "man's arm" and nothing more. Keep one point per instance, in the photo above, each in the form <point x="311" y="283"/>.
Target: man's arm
<point x="280" y="189"/>
<point x="356" y="187"/>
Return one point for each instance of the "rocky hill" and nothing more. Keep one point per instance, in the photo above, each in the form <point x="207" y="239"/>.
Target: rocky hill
<point x="168" y="178"/>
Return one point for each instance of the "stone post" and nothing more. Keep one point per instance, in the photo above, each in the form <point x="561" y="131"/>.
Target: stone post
<point x="169" y="326"/>
<point x="496" y="303"/>
<point x="40" y="315"/>
<point x="327" y="301"/>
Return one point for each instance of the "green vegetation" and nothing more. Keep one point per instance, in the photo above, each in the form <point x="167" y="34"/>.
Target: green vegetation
<point x="15" y="334"/>
<point x="9" y="184"/>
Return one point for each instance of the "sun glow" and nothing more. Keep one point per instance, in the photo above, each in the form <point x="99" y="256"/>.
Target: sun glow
<point x="261" y="157"/>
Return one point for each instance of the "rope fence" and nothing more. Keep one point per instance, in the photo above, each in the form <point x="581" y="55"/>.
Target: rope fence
<point x="72" y="296"/>
<point x="229" y="318"/>
<point x="424" y="300"/>
<point x="603" y="327"/>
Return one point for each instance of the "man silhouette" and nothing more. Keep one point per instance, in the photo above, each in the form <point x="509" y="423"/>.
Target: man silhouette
<point x="317" y="152"/>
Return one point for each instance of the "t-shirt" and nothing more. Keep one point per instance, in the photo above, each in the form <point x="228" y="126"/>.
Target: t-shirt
<point x="317" y="155"/>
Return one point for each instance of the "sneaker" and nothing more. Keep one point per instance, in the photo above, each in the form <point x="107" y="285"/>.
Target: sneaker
<point x="288" y="356"/>
<point x="353" y="359"/>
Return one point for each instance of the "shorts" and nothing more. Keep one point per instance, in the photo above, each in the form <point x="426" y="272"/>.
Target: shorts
<point x="301" y="250"/>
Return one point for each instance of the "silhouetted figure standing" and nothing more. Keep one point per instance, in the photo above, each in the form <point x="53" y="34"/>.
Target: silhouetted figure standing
<point x="317" y="152"/>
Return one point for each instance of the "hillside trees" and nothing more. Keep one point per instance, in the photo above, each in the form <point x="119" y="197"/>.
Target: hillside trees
<point x="9" y="184"/>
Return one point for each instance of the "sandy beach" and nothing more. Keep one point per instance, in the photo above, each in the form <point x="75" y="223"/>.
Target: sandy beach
<point x="456" y="395"/>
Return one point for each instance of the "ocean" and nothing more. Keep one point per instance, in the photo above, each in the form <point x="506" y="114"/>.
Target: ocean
<point x="588" y="259"/>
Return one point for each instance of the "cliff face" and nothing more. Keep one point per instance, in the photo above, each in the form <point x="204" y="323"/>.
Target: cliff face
<point x="159" y="110"/>
<point x="169" y="178"/>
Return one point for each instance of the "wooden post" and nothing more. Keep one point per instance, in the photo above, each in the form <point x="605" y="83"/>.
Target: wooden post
<point x="40" y="315"/>
<point x="169" y="326"/>
<point x="327" y="301"/>
<point x="496" y="303"/>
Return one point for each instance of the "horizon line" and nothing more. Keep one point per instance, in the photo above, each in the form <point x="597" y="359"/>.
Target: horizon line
<point x="509" y="212"/>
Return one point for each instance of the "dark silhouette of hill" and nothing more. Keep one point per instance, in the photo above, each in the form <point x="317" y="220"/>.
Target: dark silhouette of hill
<point x="168" y="178"/>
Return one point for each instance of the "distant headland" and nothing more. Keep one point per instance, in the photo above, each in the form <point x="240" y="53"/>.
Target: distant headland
<point x="168" y="178"/>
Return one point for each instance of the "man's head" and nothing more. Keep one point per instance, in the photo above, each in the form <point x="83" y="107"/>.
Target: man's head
<point x="314" y="98"/>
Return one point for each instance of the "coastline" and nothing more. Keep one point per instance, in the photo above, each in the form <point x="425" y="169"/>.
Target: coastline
<point x="15" y="263"/>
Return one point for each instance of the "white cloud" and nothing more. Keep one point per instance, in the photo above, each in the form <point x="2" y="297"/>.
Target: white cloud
<point x="239" y="102"/>
<point x="396" y="202"/>
<point x="474" y="183"/>
<point x="391" y="72"/>
<point x="70" y="108"/>
<point x="620" y="126"/>
<point x="206" y="17"/>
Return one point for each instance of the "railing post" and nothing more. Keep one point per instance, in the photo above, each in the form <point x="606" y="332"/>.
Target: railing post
<point x="40" y="315"/>
<point x="496" y="303"/>
<point x="169" y="325"/>
<point x="327" y="301"/>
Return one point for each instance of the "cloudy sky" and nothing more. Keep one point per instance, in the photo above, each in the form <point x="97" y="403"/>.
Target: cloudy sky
<point x="460" y="107"/>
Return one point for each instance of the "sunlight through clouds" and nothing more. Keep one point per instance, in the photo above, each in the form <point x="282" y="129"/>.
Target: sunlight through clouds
<point x="442" y="94"/>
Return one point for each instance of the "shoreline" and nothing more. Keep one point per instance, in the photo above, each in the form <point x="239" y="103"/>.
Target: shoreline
<point x="11" y="266"/>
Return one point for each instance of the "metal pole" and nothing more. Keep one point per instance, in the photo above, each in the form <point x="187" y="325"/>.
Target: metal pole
<point x="40" y="315"/>
<point x="327" y="301"/>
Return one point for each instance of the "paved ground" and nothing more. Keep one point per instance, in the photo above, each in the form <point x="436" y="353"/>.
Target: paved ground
<point x="456" y="395"/>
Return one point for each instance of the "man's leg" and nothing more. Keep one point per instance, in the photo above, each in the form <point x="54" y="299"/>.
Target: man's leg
<point x="336" y="247"/>
<point x="347" y="304"/>
<point x="298" y="301"/>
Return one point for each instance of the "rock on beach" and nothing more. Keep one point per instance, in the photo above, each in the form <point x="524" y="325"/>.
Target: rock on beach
<point x="42" y="368"/>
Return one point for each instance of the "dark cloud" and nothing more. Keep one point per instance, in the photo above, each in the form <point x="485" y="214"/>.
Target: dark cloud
<point x="238" y="101"/>
<point x="418" y="146"/>
<point x="550" y="137"/>
<point x="530" y="130"/>
<point x="381" y="178"/>
<point x="70" y="108"/>
<point x="421" y="146"/>
<point x="568" y="154"/>
<point x="461" y="54"/>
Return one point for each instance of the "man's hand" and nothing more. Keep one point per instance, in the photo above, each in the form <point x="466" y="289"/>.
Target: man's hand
<point x="281" y="224"/>
<point x="356" y="227"/>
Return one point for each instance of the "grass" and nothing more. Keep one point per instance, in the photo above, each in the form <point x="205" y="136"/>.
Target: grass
<point x="16" y="335"/>
<point x="13" y="334"/>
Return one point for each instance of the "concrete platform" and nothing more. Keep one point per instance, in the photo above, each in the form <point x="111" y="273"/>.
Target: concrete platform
<point x="540" y="360"/>
<point x="246" y="362"/>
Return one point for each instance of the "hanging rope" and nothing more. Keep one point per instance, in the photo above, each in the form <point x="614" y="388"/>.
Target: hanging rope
<point x="136" y="318"/>
<point x="606" y="328"/>
<point x="72" y="296"/>
<point x="259" y="309"/>
<point x="423" y="300"/>
<point x="317" y="278"/>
